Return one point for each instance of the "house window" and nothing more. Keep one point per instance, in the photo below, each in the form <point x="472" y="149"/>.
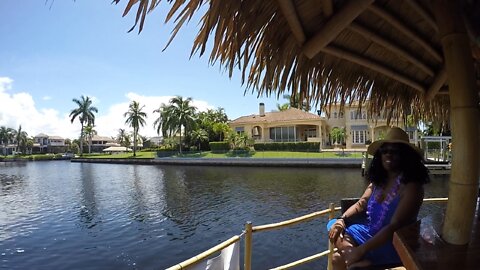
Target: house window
<point x="340" y="115"/>
<point x="311" y="133"/>
<point x="239" y="130"/>
<point x="282" y="134"/>
<point x="359" y="136"/>
<point x="335" y="115"/>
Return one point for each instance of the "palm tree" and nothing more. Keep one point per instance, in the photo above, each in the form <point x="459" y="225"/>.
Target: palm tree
<point x="89" y="132"/>
<point x="283" y="107"/>
<point x="20" y="138"/>
<point x="6" y="135"/>
<point x="183" y="115"/>
<point x="136" y="119"/>
<point x="338" y="135"/>
<point x="165" y="121"/>
<point x="199" y="136"/>
<point x="85" y="113"/>
<point x="123" y="138"/>
<point x="221" y="128"/>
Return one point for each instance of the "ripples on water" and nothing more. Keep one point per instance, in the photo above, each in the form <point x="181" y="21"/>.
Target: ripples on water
<point x="62" y="215"/>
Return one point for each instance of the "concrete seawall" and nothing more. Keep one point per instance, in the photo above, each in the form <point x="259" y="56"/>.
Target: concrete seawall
<point x="248" y="162"/>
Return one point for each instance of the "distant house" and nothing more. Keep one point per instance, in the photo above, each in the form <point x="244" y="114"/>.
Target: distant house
<point x="101" y="142"/>
<point x="155" y="141"/>
<point x="294" y="125"/>
<point x="43" y="143"/>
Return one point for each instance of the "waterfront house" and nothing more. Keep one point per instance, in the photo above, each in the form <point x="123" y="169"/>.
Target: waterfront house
<point x="99" y="143"/>
<point x="294" y="125"/>
<point x="43" y="143"/>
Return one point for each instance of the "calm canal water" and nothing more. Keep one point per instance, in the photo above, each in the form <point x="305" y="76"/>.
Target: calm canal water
<point x="62" y="215"/>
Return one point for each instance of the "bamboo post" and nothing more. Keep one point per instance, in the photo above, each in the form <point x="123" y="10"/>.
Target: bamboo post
<point x="248" y="246"/>
<point x="330" y="245"/>
<point x="463" y="186"/>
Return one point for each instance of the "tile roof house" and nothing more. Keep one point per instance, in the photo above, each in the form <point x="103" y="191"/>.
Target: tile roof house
<point x="294" y="125"/>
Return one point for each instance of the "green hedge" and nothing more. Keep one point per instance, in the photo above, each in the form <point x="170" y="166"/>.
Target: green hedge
<point x="166" y="152"/>
<point x="288" y="146"/>
<point x="219" y="147"/>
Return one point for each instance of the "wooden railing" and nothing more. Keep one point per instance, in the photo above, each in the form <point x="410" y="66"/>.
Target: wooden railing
<point x="249" y="230"/>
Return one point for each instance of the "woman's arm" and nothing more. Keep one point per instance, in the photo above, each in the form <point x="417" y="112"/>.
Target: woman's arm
<point x="339" y="227"/>
<point x="361" y="205"/>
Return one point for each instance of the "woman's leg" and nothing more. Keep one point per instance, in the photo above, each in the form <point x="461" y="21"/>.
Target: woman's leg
<point x="343" y="244"/>
<point x="338" y="262"/>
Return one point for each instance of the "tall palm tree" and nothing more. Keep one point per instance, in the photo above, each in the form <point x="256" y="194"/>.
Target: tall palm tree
<point x="183" y="114"/>
<point x="85" y="113"/>
<point x="136" y="119"/>
<point x="20" y="138"/>
<point x="89" y="132"/>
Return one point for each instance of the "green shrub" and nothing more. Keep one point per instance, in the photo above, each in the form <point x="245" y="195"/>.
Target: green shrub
<point x="166" y="152"/>
<point x="288" y="146"/>
<point x="219" y="147"/>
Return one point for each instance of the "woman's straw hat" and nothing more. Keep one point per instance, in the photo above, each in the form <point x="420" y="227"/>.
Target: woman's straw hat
<point x="394" y="135"/>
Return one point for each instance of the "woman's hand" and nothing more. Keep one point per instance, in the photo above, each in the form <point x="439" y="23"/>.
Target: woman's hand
<point x="336" y="231"/>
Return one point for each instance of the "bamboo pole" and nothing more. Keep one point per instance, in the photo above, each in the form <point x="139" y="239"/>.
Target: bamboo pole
<point x="369" y="34"/>
<point x="205" y="254"/>
<point x="437" y="84"/>
<point x="248" y="246"/>
<point x="405" y="30"/>
<point x="330" y="245"/>
<point x="360" y="60"/>
<point x="302" y="261"/>
<point x="337" y="23"/>
<point x="290" y="14"/>
<point x="290" y="221"/>
<point x="464" y="118"/>
<point x="426" y="16"/>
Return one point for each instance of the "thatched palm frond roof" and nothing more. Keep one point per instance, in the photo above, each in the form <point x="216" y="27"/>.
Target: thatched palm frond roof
<point x="330" y="51"/>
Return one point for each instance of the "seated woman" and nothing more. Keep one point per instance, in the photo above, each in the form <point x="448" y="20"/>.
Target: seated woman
<point x="391" y="201"/>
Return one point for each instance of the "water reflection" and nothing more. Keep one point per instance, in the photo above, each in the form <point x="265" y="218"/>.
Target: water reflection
<point x="88" y="205"/>
<point x="151" y="217"/>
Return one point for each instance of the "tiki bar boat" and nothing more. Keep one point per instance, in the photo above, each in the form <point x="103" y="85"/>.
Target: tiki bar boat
<point x="417" y="57"/>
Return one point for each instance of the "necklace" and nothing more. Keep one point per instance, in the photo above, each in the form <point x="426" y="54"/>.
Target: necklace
<point x="384" y="205"/>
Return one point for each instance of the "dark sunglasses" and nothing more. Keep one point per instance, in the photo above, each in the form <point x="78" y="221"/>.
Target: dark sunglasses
<point x="391" y="151"/>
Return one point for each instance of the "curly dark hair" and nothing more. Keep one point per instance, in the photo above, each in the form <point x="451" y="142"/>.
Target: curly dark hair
<point x="411" y="164"/>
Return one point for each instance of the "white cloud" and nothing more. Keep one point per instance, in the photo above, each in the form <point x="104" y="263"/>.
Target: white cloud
<point x="20" y="109"/>
<point x="109" y="124"/>
<point x="46" y="98"/>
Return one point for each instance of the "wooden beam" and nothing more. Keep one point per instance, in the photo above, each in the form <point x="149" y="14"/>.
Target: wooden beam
<point x="425" y="15"/>
<point x="337" y="23"/>
<point x="366" y="33"/>
<point x="365" y="62"/>
<point x="327" y="7"/>
<point x="406" y="31"/>
<point x="290" y="14"/>
<point x="437" y="84"/>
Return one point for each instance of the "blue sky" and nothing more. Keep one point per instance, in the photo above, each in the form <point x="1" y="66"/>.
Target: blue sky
<point x="51" y="52"/>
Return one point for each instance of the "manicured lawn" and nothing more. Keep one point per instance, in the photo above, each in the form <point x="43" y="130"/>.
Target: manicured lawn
<point x="208" y="154"/>
<point x="140" y="155"/>
<point x="273" y="154"/>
